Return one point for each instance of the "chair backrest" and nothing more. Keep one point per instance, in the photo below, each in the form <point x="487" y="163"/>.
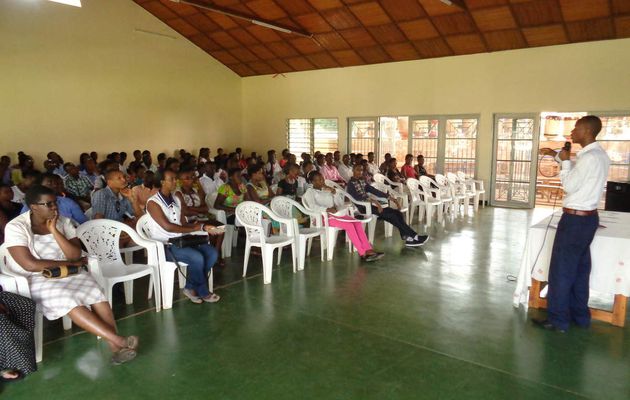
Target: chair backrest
<point x="381" y="186"/>
<point x="441" y="180"/>
<point x="380" y="178"/>
<point x="142" y="226"/>
<point x="211" y="199"/>
<point x="333" y="184"/>
<point x="283" y="206"/>
<point x="425" y="182"/>
<point x="461" y="175"/>
<point x="11" y="280"/>
<point x="101" y="239"/>
<point x="452" y="177"/>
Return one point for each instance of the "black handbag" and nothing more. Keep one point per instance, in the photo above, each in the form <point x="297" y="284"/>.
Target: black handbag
<point x="188" y="240"/>
<point x="62" y="271"/>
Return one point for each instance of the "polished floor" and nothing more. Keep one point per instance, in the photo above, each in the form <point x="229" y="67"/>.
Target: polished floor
<point x="429" y="323"/>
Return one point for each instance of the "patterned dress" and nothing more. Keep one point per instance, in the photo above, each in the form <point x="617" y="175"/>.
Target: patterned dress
<point x="57" y="297"/>
<point x="17" y="342"/>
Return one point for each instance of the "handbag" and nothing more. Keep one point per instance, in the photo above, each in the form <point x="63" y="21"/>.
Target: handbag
<point x="62" y="271"/>
<point x="188" y="241"/>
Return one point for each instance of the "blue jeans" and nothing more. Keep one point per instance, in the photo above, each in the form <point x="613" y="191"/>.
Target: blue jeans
<point x="570" y="270"/>
<point x="200" y="260"/>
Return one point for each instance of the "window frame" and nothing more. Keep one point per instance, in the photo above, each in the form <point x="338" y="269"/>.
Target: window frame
<point x="311" y="133"/>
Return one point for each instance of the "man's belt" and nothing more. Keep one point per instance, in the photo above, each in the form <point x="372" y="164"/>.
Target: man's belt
<point x="579" y="213"/>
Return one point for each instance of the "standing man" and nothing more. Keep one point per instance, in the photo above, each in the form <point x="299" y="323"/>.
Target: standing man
<point x="570" y="267"/>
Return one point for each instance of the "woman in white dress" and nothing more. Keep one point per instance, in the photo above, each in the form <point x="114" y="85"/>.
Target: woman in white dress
<point x="41" y="239"/>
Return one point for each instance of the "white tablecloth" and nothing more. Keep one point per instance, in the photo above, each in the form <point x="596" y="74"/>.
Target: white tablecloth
<point x="610" y="255"/>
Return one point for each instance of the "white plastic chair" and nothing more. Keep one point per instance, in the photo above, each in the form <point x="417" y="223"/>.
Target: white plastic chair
<point x="404" y="204"/>
<point x="331" y="232"/>
<point x="250" y="215"/>
<point x="461" y="196"/>
<point x="168" y="269"/>
<point x="14" y="283"/>
<point x="283" y="206"/>
<point x="446" y="194"/>
<point x="423" y="190"/>
<point x="417" y="201"/>
<point x="231" y="232"/>
<point x="367" y="218"/>
<point x="380" y="178"/>
<point x="475" y="186"/>
<point x="443" y="194"/>
<point x="101" y="239"/>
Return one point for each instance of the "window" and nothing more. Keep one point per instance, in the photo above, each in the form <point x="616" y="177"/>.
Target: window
<point x="448" y="143"/>
<point x="615" y="139"/>
<point x="308" y="135"/>
<point x="461" y="146"/>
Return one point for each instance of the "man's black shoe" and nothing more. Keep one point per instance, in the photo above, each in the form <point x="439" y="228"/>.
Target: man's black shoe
<point x="547" y="325"/>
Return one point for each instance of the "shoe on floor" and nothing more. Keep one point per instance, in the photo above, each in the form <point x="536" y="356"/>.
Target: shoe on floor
<point x="123" y="355"/>
<point x="416" y="241"/>
<point x="189" y="293"/>
<point x="211" y="298"/>
<point x="547" y="325"/>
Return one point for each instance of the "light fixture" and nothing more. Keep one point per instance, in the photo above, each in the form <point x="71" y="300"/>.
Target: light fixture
<point x="74" y="3"/>
<point x="235" y="14"/>
<point x="457" y="3"/>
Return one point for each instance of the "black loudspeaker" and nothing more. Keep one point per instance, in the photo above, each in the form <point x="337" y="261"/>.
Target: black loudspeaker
<point x="618" y="196"/>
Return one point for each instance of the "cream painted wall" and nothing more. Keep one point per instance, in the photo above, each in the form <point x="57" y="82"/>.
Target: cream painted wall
<point x="587" y="76"/>
<point x="79" y="79"/>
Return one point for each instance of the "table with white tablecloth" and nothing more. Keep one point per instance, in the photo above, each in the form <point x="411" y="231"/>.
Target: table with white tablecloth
<point x="610" y="255"/>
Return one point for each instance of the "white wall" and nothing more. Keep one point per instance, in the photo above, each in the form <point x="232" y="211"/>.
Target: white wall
<point x="579" y="77"/>
<point x="80" y="79"/>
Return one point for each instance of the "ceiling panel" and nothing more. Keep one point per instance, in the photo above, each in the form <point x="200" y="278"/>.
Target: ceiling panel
<point x="342" y="33"/>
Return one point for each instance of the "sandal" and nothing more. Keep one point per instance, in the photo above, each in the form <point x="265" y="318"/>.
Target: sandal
<point x="12" y="371"/>
<point x="211" y="298"/>
<point x="132" y="342"/>
<point x="189" y="293"/>
<point x="124" y="355"/>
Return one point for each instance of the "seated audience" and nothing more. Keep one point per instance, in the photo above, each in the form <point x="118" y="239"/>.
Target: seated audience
<point x="193" y="200"/>
<point x="345" y="168"/>
<point x="90" y="171"/>
<point x="8" y="209"/>
<point x="24" y="166"/>
<point x="420" y="169"/>
<point x="360" y="190"/>
<point x="116" y="201"/>
<point x="293" y="185"/>
<point x="166" y="222"/>
<point x="272" y="167"/>
<point x="41" y="239"/>
<point x="27" y="179"/>
<point x="407" y="170"/>
<point x="17" y="339"/>
<point x="329" y="171"/>
<point x="146" y="189"/>
<point x="66" y="207"/>
<point x="326" y="201"/>
<point x="257" y="188"/>
<point x="385" y="165"/>
<point x="231" y="194"/>
<point x="56" y="163"/>
<point x="5" y="170"/>
<point x="393" y="174"/>
<point x="76" y="184"/>
<point x="209" y="180"/>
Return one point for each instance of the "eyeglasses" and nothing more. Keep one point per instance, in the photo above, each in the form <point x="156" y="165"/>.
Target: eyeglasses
<point x="48" y="204"/>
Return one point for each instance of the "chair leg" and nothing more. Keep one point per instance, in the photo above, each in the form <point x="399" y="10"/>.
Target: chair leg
<point x="157" y="287"/>
<point x="302" y="246"/>
<point x="167" y="280"/>
<point x="331" y="238"/>
<point x="279" y="255"/>
<point x="372" y="229"/>
<point x="294" y="254"/>
<point x="310" y="244"/>
<point x="182" y="278"/>
<point x="150" y="287"/>
<point x="211" y="281"/>
<point x="267" y="256"/>
<point x="128" y="285"/>
<point x="429" y="214"/>
<point x="226" y="246"/>
<point x="248" y="249"/>
<point x="440" y="217"/>
<point x="67" y="323"/>
<point x="110" y="295"/>
<point x="322" y="244"/>
<point x="389" y="229"/>
<point x="39" y="336"/>
<point x="412" y="208"/>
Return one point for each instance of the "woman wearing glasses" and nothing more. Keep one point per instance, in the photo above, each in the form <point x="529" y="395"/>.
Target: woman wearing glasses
<point x="41" y="239"/>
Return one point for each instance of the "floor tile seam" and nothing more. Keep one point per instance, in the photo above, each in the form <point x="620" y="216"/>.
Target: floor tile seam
<point x="443" y="354"/>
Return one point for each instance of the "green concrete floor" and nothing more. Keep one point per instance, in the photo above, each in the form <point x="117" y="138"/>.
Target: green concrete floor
<point x="429" y="323"/>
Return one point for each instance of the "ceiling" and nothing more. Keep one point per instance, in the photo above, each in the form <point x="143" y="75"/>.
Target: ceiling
<point x="359" y="32"/>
